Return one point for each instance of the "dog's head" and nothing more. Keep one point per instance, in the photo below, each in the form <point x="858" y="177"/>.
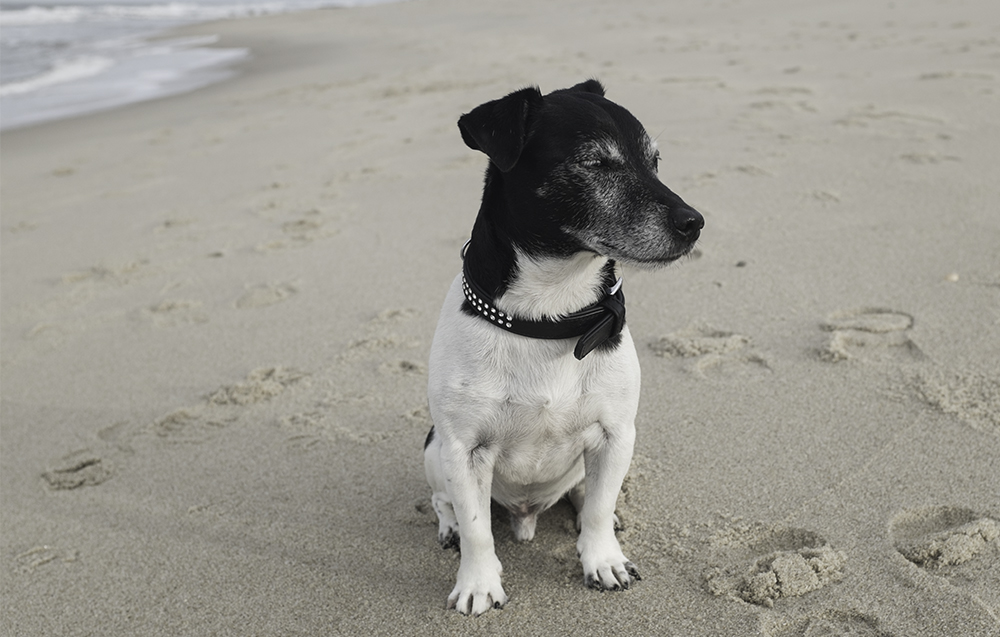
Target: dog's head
<point x="578" y="173"/>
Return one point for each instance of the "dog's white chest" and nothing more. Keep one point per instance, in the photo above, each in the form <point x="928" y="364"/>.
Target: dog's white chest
<point x="529" y="401"/>
<point x="537" y="423"/>
<point x="541" y="424"/>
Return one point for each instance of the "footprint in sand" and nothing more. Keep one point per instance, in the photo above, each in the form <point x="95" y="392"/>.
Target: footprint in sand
<point x="262" y="384"/>
<point x="380" y="337"/>
<point x="113" y="445"/>
<point x="319" y="427"/>
<point x="773" y="564"/>
<point x="39" y="556"/>
<point x="265" y="294"/>
<point x="367" y="409"/>
<point x="114" y="275"/>
<point x="101" y="460"/>
<point x="301" y="231"/>
<point x="186" y="426"/>
<point x="831" y="623"/>
<point x="312" y="225"/>
<point x="957" y="545"/>
<point x="892" y="123"/>
<point x="869" y="333"/>
<point x="199" y="423"/>
<point x="78" y="469"/>
<point x="938" y="537"/>
<point x="710" y="350"/>
<point x="175" y="312"/>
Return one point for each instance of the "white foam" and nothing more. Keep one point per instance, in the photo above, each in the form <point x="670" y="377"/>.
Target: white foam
<point x="181" y="11"/>
<point x="61" y="60"/>
<point x="40" y="15"/>
<point x="36" y="16"/>
<point x="65" y="71"/>
<point x="85" y="86"/>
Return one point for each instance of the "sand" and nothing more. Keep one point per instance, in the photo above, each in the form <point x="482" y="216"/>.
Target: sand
<point x="217" y="309"/>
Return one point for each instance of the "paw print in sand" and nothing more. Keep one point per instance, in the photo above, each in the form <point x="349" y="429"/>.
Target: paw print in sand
<point x="710" y="350"/>
<point x="869" y="333"/>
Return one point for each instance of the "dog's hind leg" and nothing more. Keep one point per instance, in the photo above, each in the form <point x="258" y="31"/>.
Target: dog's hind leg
<point x="447" y="522"/>
<point x="523" y="524"/>
<point x="448" y="535"/>
<point x="576" y="495"/>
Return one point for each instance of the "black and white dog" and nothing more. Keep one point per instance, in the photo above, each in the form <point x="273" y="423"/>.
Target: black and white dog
<point x="534" y="379"/>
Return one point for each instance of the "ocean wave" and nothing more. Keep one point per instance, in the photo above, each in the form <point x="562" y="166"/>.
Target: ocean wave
<point x="61" y="60"/>
<point x="65" y="71"/>
<point x="39" y="15"/>
<point x="168" y="68"/>
<point x="180" y="11"/>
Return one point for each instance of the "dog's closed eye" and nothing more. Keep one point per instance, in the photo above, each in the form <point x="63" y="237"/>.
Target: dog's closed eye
<point x="601" y="154"/>
<point x="601" y="160"/>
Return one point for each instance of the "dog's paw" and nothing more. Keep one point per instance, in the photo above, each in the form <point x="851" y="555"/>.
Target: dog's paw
<point x="449" y="539"/>
<point x="448" y="536"/>
<point x="478" y="589"/>
<point x="609" y="573"/>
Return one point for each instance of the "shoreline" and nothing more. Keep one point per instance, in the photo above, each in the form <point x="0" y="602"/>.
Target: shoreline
<point x="155" y="62"/>
<point x="217" y="309"/>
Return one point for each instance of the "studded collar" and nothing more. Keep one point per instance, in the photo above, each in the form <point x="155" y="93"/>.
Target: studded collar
<point x="595" y="324"/>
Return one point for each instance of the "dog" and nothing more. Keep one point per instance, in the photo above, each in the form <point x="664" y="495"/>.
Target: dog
<point x="533" y="381"/>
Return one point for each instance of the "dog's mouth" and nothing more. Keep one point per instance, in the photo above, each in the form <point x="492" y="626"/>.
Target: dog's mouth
<point x="645" y="260"/>
<point x="668" y="259"/>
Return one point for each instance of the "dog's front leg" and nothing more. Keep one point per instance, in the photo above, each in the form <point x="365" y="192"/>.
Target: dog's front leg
<point x="606" y="460"/>
<point x="470" y="478"/>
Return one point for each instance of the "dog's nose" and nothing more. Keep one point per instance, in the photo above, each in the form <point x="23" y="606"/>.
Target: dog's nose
<point x="688" y="223"/>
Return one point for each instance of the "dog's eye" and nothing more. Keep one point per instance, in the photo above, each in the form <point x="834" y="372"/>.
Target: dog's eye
<point x="593" y="163"/>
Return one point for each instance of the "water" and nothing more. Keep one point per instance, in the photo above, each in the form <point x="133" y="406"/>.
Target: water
<point x="65" y="58"/>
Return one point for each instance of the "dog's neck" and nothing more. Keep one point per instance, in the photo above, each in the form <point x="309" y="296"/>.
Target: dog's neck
<point x="549" y="287"/>
<point x="534" y="287"/>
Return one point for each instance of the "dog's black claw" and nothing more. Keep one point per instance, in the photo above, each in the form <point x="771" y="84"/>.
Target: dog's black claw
<point x="633" y="571"/>
<point x="594" y="582"/>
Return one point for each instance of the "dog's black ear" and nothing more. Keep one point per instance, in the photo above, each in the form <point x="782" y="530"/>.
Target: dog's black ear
<point x="500" y="128"/>
<point x="590" y="86"/>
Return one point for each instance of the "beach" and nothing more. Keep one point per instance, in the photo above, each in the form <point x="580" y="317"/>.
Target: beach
<point x="217" y="309"/>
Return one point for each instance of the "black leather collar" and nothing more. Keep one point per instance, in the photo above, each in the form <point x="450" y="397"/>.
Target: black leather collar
<point x="595" y="324"/>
